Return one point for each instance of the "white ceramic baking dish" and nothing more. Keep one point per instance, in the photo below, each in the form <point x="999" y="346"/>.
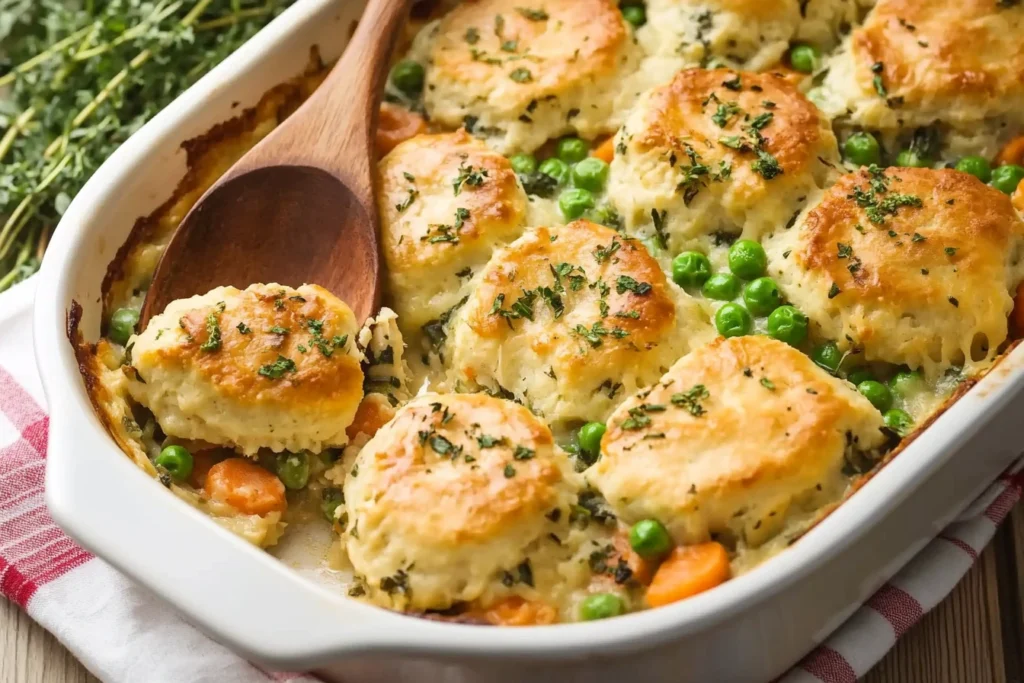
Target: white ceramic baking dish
<point x="749" y="629"/>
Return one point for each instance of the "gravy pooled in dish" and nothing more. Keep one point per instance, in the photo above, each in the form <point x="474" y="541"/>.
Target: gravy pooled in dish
<point x="665" y="284"/>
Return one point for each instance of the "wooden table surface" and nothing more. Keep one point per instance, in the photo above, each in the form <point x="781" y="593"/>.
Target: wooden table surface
<point x="975" y="636"/>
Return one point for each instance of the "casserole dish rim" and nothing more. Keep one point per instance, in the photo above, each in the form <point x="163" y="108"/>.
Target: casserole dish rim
<point x="80" y="473"/>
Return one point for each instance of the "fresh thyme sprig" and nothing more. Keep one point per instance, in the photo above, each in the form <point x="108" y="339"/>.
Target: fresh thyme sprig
<point x="79" y="78"/>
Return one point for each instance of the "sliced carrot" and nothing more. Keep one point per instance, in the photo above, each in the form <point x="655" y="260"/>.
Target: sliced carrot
<point x="396" y="125"/>
<point x="1012" y="152"/>
<point x="1017" y="317"/>
<point x="516" y="611"/>
<point x="246" y="486"/>
<point x="373" y="413"/>
<point x="605" y="151"/>
<point x="689" y="570"/>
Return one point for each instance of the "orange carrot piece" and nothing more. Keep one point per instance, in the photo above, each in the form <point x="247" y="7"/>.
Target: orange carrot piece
<point x="373" y="412"/>
<point x="396" y="125"/>
<point x="605" y="151"/>
<point x="516" y="611"/>
<point x="1012" y="152"/>
<point x="246" y="486"/>
<point x="687" y="571"/>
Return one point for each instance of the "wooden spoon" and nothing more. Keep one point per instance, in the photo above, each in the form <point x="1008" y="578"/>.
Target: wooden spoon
<point x="299" y="207"/>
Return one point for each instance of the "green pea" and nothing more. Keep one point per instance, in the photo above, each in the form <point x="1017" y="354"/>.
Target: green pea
<point x="331" y="498"/>
<point x="877" y="393"/>
<point x="722" y="287"/>
<point x="788" y="324"/>
<point x="590" y="174"/>
<point x="804" y="58"/>
<point x="650" y="539"/>
<point x="122" y="325"/>
<point x="574" y="202"/>
<point x="898" y="421"/>
<point x="859" y="375"/>
<point x="601" y="606"/>
<point x="691" y="269"/>
<point x="523" y="163"/>
<point x="976" y="166"/>
<point x="732" y="320"/>
<point x="862" y="149"/>
<point x="293" y="469"/>
<point x="905" y="382"/>
<point x="635" y="14"/>
<point x="1006" y="178"/>
<point x="908" y="158"/>
<point x="762" y="296"/>
<point x="590" y="436"/>
<point x="747" y="259"/>
<point x="828" y="356"/>
<point x="408" y="77"/>
<point x="556" y="168"/>
<point x="572" y="150"/>
<point x="176" y="460"/>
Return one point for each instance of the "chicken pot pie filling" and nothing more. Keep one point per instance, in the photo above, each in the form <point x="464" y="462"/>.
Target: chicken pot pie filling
<point x="665" y="284"/>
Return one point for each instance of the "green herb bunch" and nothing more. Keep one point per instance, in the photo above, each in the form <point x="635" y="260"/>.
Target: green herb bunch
<point x="77" y="78"/>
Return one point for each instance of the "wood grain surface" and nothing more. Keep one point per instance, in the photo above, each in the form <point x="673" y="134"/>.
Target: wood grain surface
<point x="975" y="636"/>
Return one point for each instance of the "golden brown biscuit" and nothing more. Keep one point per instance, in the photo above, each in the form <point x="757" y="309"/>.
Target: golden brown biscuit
<point x="912" y="266"/>
<point x="446" y="202"/>
<point x="751" y="34"/>
<point x="454" y="500"/>
<point x="719" y="151"/>
<point x="736" y="437"/>
<point x="522" y="73"/>
<point x="914" y="62"/>
<point x="265" y="367"/>
<point x="570" y="320"/>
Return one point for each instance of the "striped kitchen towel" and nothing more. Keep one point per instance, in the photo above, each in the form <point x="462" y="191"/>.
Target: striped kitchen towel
<point x="123" y="634"/>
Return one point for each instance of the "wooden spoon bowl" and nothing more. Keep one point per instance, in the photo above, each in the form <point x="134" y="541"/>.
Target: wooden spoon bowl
<point x="299" y="207"/>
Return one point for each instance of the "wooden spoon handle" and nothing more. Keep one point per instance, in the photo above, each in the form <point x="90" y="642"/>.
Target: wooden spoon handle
<point x="333" y="130"/>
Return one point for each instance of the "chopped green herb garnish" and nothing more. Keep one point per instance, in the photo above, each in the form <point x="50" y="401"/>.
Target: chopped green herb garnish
<point x="212" y="342"/>
<point x="469" y="176"/>
<point x="277" y="369"/>
<point x="626" y="283"/>
<point x="487" y="441"/>
<point x="691" y="399"/>
<point x="523" y="453"/>
<point x="725" y="111"/>
<point x="532" y="14"/>
<point x="521" y="75"/>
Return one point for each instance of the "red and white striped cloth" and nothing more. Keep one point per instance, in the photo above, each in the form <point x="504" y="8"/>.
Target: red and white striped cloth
<point x="123" y="634"/>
